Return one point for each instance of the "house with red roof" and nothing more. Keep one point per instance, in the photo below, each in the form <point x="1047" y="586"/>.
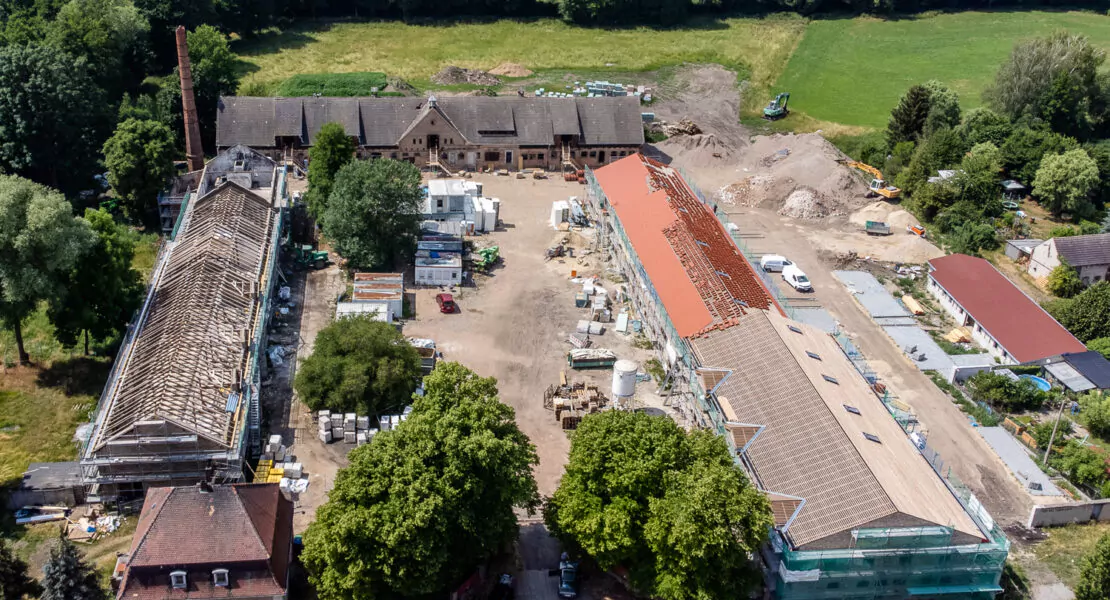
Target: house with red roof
<point x="202" y="542"/>
<point x="1002" y="319"/>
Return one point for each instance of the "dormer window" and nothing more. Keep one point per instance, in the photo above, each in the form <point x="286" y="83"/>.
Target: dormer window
<point x="177" y="579"/>
<point x="219" y="577"/>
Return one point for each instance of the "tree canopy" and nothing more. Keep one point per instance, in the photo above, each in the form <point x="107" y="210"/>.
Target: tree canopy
<point x="102" y="291"/>
<point x="1063" y="281"/>
<point x="359" y="365"/>
<point x="1064" y="182"/>
<point x="668" y="505"/>
<point x="15" y="583"/>
<point x="907" y="119"/>
<point x="112" y="37"/>
<point x="420" y="507"/>
<point x="1094" y="572"/>
<point x="373" y="212"/>
<point x="1029" y="82"/>
<point x="139" y="157"/>
<point x="214" y="75"/>
<point x="40" y="243"/>
<point x="66" y="576"/>
<point x="331" y="149"/>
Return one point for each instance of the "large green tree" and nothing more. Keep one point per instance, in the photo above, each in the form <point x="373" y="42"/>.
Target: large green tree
<point x="139" y="157"/>
<point x="1064" y="183"/>
<point x="982" y="124"/>
<point x="1063" y="281"/>
<point x="214" y="75"/>
<point x="373" y="212"/>
<point x="671" y="507"/>
<point x="1025" y="81"/>
<point x="1024" y="148"/>
<point x="359" y="365"/>
<point x="53" y="118"/>
<point x="15" y="584"/>
<point x="40" y="243"/>
<point x="66" y="576"/>
<point x="111" y="35"/>
<point x="420" y="507"/>
<point x="103" y="290"/>
<point x="944" y="108"/>
<point x="907" y="119"/>
<point x="331" y="149"/>
<point x="1094" y="572"/>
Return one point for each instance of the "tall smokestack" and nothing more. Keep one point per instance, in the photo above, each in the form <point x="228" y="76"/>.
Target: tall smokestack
<point x="194" y="150"/>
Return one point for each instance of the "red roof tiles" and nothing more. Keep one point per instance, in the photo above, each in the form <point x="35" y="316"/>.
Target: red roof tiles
<point x="1020" y="326"/>
<point x="698" y="272"/>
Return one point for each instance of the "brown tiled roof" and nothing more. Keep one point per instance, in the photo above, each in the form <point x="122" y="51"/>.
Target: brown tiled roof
<point x="696" y="269"/>
<point x="1020" y="325"/>
<point x="1085" y="250"/>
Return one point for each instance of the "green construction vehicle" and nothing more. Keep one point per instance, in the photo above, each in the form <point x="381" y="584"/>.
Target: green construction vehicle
<point x="486" y="257"/>
<point x="304" y="256"/>
<point x="777" y="108"/>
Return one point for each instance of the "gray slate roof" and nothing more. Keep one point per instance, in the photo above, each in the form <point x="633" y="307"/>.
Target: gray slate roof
<point x="381" y="122"/>
<point x="1084" y="250"/>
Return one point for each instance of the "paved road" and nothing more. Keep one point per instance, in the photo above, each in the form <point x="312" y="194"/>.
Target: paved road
<point x="950" y="433"/>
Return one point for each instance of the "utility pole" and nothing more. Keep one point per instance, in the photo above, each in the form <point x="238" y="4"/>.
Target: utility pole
<point x="1052" y="438"/>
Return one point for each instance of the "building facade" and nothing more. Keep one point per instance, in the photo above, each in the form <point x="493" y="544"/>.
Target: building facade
<point x="1089" y="255"/>
<point x="449" y="134"/>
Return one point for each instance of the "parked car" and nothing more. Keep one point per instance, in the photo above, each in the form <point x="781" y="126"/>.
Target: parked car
<point x="446" y="303"/>
<point x="773" y="262"/>
<point x="568" y="577"/>
<point x="796" y="278"/>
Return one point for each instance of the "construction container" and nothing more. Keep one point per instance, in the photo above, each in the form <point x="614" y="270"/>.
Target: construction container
<point x="337" y="433"/>
<point x="349" y="437"/>
<point x="383" y="423"/>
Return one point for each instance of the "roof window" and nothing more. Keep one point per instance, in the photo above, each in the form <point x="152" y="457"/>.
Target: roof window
<point x="794" y="328"/>
<point x="872" y="437"/>
<point x="177" y="580"/>
<point x="813" y="355"/>
<point x="830" y="379"/>
<point x="852" y="409"/>
<point x="219" y="577"/>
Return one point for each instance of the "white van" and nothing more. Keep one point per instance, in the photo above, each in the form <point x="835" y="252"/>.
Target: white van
<point x="796" y="278"/>
<point x="773" y="262"/>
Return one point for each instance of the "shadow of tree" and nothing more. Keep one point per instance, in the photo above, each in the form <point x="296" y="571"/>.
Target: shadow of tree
<point x="81" y="375"/>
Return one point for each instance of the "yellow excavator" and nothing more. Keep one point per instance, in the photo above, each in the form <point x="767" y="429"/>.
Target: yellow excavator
<point x="878" y="184"/>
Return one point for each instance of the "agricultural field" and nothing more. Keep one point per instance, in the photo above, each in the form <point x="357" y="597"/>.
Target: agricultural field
<point x="853" y="71"/>
<point x="757" y="48"/>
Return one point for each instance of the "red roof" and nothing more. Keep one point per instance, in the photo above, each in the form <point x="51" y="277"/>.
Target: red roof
<point x="1019" y="324"/>
<point x="698" y="272"/>
<point x="245" y="528"/>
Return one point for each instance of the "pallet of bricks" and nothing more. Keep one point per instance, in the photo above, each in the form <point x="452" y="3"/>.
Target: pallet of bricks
<point x="350" y="428"/>
<point x="275" y="463"/>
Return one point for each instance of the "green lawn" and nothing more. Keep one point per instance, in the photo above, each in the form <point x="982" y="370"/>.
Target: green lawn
<point x="760" y="47"/>
<point x="852" y="71"/>
<point x="1065" y="548"/>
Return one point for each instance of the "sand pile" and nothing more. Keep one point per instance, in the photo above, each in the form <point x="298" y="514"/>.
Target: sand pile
<point x="509" y="69"/>
<point x="805" y="203"/>
<point x="701" y="149"/>
<point x="890" y="214"/>
<point x="456" y="75"/>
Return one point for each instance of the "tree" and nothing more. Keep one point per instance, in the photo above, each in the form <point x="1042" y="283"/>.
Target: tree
<point x="1064" y="182"/>
<point x="1042" y="433"/>
<point x="214" y="75"/>
<point x="1023" y="150"/>
<point x="67" y="577"/>
<point x="1064" y="107"/>
<point x="331" y="149"/>
<point x="139" y="157"/>
<point x="977" y="179"/>
<point x="1004" y="393"/>
<point x="944" y="108"/>
<point x="1095" y="413"/>
<point x="111" y="35"/>
<point x="102" y="291"/>
<point x="40" y="242"/>
<point x="1100" y="345"/>
<point x="373" y="212"/>
<point x="942" y="150"/>
<point x="970" y="237"/>
<point x="359" y="365"/>
<point x="15" y="584"/>
<point x="53" y="118"/>
<point x="1094" y="572"/>
<point x="1025" y="80"/>
<point x="1081" y="464"/>
<point x="423" y="505"/>
<point x="1063" y="281"/>
<point x="907" y="120"/>
<point x="984" y="125"/>
<point x="669" y="506"/>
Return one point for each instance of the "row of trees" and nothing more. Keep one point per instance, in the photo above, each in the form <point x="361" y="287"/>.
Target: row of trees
<point x="66" y="576"/>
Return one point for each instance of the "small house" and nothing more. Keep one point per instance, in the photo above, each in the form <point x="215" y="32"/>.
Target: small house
<point x="1013" y="190"/>
<point x="387" y="289"/>
<point x="1021" y="250"/>
<point x="1089" y="255"/>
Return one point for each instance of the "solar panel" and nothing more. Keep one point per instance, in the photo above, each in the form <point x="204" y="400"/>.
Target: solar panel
<point x="794" y="329"/>
<point x="852" y="409"/>
<point x="830" y="379"/>
<point x="872" y="437"/>
<point x="813" y="355"/>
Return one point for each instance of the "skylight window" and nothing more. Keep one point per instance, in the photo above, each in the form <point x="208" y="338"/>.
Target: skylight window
<point x="793" y="328"/>
<point x="872" y="437"/>
<point x="813" y="355"/>
<point x="852" y="409"/>
<point x="830" y="379"/>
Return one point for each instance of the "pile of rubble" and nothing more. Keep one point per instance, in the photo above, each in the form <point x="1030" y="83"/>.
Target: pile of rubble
<point x="805" y="203"/>
<point x="455" y="75"/>
<point x="684" y="127"/>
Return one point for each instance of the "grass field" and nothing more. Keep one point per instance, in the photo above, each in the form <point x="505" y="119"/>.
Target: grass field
<point x="1065" y="548"/>
<point x="853" y="71"/>
<point x="759" y="47"/>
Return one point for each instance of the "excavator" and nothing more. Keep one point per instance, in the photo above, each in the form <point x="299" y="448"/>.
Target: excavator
<point x="878" y="184"/>
<point x="776" y="109"/>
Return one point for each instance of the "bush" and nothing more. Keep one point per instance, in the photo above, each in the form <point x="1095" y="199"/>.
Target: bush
<point x="1081" y="464"/>
<point x="1095" y="414"/>
<point x="1042" y="432"/>
<point x="1004" y="393"/>
<point x="1064" y="282"/>
<point x="1100" y="345"/>
<point x="971" y="238"/>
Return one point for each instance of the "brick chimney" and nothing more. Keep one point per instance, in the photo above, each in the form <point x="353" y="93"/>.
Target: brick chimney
<point x="194" y="150"/>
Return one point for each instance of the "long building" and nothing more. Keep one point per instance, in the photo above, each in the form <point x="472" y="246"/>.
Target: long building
<point x="182" y="402"/>
<point x="455" y="133"/>
<point x="859" y="511"/>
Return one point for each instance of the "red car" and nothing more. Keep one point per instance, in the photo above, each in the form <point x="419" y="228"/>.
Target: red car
<point x="446" y="303"/>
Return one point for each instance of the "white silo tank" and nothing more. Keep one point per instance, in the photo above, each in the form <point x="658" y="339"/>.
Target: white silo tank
<point x="624" y="378"/>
